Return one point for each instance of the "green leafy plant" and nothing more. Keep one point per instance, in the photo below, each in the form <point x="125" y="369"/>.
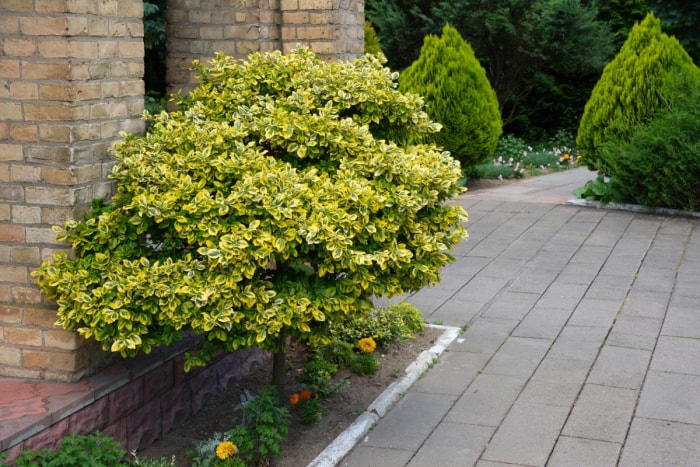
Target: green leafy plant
<point x="256" y="440"/>
<point x="279" y="198"/>
<point x="75" y="450"/>
<point x="628" y="91"/>
<point x="308" y="406"/>
<point x="659" y="164"/>
<point x="458" y="95"/>
<point x="365" y="364"/>
<point x="400" y="321"/>
<point x="597" y="189"/>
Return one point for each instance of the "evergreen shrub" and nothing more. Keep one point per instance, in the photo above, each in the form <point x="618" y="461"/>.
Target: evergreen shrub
<point x="660" y="163"/>
<point x="628" y="91"/>
<point x="277" y="199"/>
<point x="458" y="95"/>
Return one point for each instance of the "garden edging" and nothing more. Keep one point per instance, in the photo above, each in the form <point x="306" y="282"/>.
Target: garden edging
<point x="342" y="444"/>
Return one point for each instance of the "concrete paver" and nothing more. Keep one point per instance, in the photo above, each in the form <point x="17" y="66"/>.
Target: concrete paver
<point x="582" y="342"/>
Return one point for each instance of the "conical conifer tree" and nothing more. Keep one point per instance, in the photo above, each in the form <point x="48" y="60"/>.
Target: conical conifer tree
<point x="628" y="91"/>
<point x="458" y="95"/>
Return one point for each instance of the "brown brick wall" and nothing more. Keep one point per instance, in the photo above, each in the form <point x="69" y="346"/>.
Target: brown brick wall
<point x="70" y="81"/>
<point x="199" y="28"/>
<point x="70" y="74"/>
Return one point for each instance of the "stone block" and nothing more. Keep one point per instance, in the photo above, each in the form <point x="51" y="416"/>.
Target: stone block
<point x="57" y="361"/>
<point x="14" y="274"/>
<point x="24" y="173"/>
<point x="64" y="340"/>
<point x="90" y="418"/>
<point x="10" y="356"/>
<point x="56" y="48"/>
<point x="11" y="152"/>
<point x="18" y="47"/>
<point x="25" y="254"/>
<point x="124" y="400"/>
<point x="11" y="233"/>
<point x="24" y="336"/>
<point x="10" y="314"/>
<point x="45" y="318"/>
<point x="144" y="425"/>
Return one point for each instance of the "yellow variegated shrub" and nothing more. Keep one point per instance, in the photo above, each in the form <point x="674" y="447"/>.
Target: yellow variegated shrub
<point x="280" y="196"/>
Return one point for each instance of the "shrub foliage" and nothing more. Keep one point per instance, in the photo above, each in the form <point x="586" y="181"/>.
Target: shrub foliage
<point x="458" y="95"/>
<point x="628" y="92"/>
<point x="278" y="197"/>
<point x="660" y="164"/>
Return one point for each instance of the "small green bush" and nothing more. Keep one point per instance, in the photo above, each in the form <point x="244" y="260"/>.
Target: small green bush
<point x="660" y="164"/>
<point x="400" y="321"/>
<point x="628" y="91"/>
<point x="75" y="451"/>
<point x="365" y="364"/>
<point x="458" y="95"/>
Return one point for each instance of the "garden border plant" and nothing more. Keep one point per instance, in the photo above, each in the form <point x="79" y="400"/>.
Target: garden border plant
<point x="279" y="198"/>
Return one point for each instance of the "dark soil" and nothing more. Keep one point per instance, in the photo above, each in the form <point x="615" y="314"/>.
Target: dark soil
<point x="304" y="442"/>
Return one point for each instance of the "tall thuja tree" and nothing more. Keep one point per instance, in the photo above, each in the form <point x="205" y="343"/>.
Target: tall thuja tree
<point x="274" y="201"/>
<point x="530" y="46"/>
<point x="458" y="95"/>
<point x="628" y="92"/>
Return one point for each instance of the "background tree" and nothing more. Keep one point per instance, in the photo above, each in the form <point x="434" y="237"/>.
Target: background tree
<point x="273" y="202"/>
<point x="681" y="18"/>
<point x="620" y="16"/>
<point x="457" y="95"/>
<point x="401" y="26"/>
<point x="541" y="57"/>
<point x="628" y="92"/>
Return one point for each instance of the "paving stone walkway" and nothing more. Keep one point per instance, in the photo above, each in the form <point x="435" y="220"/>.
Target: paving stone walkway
<point x="582" y="347"/>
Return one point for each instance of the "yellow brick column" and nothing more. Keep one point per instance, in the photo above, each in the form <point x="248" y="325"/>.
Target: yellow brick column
<point x="70" y="81"/>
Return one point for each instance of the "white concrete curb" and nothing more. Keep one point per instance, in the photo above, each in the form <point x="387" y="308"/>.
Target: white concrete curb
<point x="341" y="446"/>
<point x="632" y="208"/>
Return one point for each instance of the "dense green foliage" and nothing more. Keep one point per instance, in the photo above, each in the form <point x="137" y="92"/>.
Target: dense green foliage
<point x="628" y="92"/>
<point x="371" y="40"/>
<point x="401" y="26"/>
<point x="154" y="27"/>
<point x="681" y="18"/>
<point x="621" y="15"/>
<point x="458" y="95"/>
<point x="660" y="164"/>
<point x="75" y="451"/>
<point x="278" y="198"/>
<point x="542" y="57"/>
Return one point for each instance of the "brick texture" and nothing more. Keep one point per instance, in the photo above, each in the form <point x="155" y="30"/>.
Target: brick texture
<point x="71" y="73"/>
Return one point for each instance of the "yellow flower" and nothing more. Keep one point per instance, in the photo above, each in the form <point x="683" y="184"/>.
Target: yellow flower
<point x="225" y="450"/>
<point x="367" y="345"/>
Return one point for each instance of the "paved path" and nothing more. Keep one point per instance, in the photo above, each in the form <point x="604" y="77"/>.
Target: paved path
<point x="583" y="340"/>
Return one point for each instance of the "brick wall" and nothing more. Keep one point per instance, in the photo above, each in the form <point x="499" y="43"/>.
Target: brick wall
<point x="70" y="80"/>
<point x="200" y="28"/>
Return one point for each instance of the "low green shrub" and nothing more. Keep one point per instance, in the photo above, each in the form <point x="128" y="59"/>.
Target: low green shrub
<point x="95" y="450"/>
<point x="399" y="321"/>
<point x="660" y="164"/>
<point x="255" y="441"/>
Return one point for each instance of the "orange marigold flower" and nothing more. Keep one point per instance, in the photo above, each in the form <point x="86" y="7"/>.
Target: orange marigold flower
<point x="225" y="450"/>
<point x="304" y="395"/>
<point x="367" y="345"/>
<point x="294" y="399"/>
